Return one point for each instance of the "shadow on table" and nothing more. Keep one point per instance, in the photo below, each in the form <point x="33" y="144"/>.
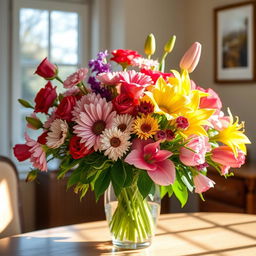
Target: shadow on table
<point x="55" y="246"/>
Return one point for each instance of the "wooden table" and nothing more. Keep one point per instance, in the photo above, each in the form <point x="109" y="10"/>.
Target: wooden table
<point x="194" y="234"/>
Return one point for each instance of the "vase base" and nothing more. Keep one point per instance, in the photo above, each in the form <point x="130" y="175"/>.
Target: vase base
<point x="131" y="245"/>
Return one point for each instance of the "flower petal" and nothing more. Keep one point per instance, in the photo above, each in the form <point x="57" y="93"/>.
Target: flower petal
<point x="164" y="174"/>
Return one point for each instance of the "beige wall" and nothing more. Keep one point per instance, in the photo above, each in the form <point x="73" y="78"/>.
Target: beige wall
<point x="239" y="97"/>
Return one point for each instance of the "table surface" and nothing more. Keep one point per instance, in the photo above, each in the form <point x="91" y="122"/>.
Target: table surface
<point x="203" y="234"/>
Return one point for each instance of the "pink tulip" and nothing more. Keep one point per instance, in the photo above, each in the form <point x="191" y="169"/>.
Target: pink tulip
<point x="224" y="155"/>
<point x="194" y="152"/>
<point x="202" y="183"/>
<point x="191" y="57"/>
<point x="146" y="155"/>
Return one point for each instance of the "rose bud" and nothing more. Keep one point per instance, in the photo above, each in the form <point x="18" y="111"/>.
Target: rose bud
<point x="191" y="57"/>
<point x="47" y="70"/>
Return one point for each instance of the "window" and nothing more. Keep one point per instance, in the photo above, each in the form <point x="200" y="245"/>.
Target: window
<point x="43" y="29"/>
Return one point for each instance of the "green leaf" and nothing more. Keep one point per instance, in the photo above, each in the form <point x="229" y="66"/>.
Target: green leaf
<point x="102" y="183"/>
<point x="180" y="190"/>
<point x="166" y="189"/>
<point x="118" y="173"/>
<point x="25" y="103"/>
<point x="74" y="178"/>
<point x="66" y="165"/>
<point x="144" y="183"/>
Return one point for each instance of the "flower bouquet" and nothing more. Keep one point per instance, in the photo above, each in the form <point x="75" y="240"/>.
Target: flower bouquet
<point x="132" y="132"/>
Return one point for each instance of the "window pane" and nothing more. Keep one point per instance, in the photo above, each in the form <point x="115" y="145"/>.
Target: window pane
<point x="31" y="83"/>
<point x="64" y="37"/>
<point x="33" y="34"/>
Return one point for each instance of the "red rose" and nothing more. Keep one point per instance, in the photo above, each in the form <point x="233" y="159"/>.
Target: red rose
<point x="124" y="104"/>
<point x="21" y="152"/>
<point x="45" y="98"/>
<point x="124" y="57"/>
<point x="47" y="70"/>
<point x="65" y="108"/>
<point x="77" y="149"/>
<point x="156" y="74"/>
<point x="42" y="138"/>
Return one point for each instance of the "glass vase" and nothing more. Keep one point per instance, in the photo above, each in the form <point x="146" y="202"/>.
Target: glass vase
<point x="132" y="220"/>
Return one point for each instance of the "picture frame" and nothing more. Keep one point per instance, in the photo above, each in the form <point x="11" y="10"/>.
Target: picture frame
<point x="234" y="40"/>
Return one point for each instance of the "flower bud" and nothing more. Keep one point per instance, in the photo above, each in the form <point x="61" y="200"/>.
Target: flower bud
<point x="191" y="57"/>
<point x="150" y="45"/>
<point x="170" y="44"/>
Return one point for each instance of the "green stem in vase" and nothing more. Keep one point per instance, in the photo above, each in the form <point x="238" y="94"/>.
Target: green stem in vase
<point x="132" y="220"/>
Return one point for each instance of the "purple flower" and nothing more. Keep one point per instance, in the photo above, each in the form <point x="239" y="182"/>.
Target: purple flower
<point x="97" y="66"/>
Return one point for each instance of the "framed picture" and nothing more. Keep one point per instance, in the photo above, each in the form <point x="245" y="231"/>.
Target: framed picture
<point x="234" y="43"/>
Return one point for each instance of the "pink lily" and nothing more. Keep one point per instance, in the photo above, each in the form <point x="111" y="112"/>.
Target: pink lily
<point x="146" y="155"/>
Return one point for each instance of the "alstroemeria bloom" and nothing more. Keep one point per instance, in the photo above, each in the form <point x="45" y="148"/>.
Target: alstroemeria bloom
<point x="147" y="155"/>
<point x="224" y="155"/>
<point x="134" y="83"/>
<point x="194" y="152"/>
<point x="38" y="155"/>
<point x="202" y="183"/>
<point x="211" y="101"/>
<point x="191" y="57"/>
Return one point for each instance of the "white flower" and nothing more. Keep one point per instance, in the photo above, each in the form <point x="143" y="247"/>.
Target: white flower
<point x="115" y="143"/>
<point x="145" y="63"/>
<point x="123" y="123"/>
<point x="57" y="134"/>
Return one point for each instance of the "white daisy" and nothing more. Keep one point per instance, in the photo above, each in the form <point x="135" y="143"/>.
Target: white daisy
<point x="123" y="123"/>
<point x="57" y="134"/>
<point x="115" y="143"/>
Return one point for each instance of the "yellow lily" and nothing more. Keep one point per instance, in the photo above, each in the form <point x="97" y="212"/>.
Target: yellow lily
<point x="168" y="100"/>
<point x="233" y="136"/>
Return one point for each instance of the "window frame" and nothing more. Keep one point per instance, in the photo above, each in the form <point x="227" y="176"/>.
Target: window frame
<point x="16" y="89"/>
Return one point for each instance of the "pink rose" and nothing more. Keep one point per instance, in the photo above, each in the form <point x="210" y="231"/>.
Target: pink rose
<point x="47" y="70"/>
<point x="64" y="110"/>
<point x="202" y="183"/>
<point x="224" y="155"/>
<point x="75" y="78"/>
<point x="45" y="98"/>
<point x="199" y="146"/>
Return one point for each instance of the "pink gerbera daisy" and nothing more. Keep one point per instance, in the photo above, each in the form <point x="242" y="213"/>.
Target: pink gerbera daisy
<point x="93" y="121"/>
<point x="84" y="101"/>
<point x="38" y="156"/>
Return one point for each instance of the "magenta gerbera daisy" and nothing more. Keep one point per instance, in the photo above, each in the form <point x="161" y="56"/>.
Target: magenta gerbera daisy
<point x="92" y="121"/>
